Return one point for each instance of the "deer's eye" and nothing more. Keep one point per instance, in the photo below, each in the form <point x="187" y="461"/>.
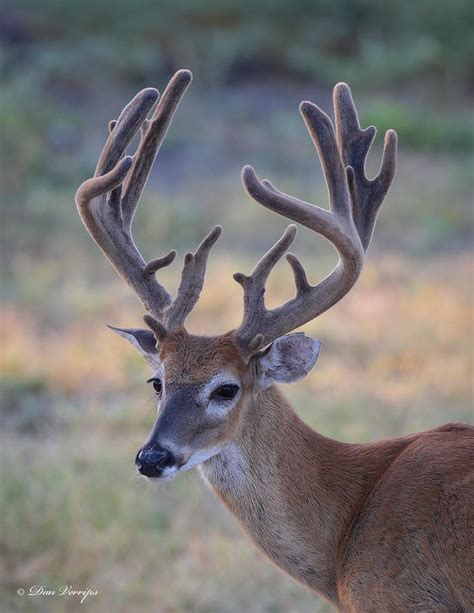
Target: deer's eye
<point x="156" y="385"/>
<point x="225" y="392"/>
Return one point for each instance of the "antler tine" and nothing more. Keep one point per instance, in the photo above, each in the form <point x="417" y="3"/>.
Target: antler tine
<point x="116" y="194"/>
<point x="121" y="132"/>
<point x="353" y="205"/>
<point x="322" y="133"/>
<point x="192" y="281"/>
<point x="98" y="186"/>
<point x="153" y="135"/>
<point x="253" y="285"/>
<point x="109" y="221"/>
<point x="354" y="143"/>
<point x="124" y="129"/>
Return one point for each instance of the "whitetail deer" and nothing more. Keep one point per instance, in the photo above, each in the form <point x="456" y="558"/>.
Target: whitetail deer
<point x="385" y="526"/>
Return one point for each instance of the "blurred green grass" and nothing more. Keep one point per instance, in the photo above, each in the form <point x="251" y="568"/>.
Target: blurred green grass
<point x="397" y="352"/>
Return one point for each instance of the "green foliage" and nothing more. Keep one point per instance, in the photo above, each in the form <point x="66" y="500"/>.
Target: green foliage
<point x="56" y="56"/>
<point x="222" y="39"/>
<point x="422" y="128"/>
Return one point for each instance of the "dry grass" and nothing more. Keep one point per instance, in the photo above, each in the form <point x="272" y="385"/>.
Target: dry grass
<point x="396" y="358"/>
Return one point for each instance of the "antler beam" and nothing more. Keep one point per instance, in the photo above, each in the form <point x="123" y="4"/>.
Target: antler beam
<point x="354" y="202"/>
<point x="107" y="203"/>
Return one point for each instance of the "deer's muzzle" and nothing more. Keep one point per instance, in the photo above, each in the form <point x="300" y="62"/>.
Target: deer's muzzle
<point x="152" y="460"/>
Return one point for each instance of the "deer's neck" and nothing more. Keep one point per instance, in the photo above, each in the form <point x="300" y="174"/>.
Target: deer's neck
<point x="294" y="491"/>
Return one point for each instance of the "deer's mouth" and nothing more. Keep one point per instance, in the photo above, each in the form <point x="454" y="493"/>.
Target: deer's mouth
<point x="166" y="475"/>
<point x="158" y="464"/>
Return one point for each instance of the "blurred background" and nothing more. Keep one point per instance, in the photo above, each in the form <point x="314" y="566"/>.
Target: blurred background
<point x="397" y="352"/>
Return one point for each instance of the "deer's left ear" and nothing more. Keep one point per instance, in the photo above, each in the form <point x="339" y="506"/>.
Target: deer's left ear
<point x="288" y="359"/>
<point x="143" y="340"/>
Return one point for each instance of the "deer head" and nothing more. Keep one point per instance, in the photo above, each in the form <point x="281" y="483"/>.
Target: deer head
<point x="204" y="385"/>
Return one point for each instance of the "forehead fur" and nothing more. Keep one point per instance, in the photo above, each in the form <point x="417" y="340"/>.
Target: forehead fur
<point x="197" y="358"/>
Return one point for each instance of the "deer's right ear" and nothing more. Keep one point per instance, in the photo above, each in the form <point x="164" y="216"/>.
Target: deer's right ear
<point x="143" y="340"/>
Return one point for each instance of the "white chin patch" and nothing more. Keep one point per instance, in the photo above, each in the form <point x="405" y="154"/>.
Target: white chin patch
<point x="199" y="457"/>
<point x="169" y="472"/>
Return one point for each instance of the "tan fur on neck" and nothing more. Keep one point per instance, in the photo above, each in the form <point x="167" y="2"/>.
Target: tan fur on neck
<point x="297" y="493"/>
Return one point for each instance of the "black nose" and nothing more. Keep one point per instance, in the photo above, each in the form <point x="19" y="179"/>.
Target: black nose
<point x="151" y="461"/>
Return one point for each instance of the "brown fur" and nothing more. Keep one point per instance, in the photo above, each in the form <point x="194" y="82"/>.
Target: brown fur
<point x="195" y="359"/>
<point x="189" y="362"/>
<point x="384" y="526"/>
